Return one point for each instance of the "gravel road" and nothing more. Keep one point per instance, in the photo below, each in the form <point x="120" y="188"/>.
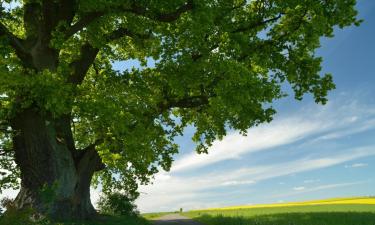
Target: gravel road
<point x="174" y="219"/>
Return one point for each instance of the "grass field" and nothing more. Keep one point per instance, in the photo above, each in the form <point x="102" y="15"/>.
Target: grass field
<point x="112" y="220"/>
<point x="101" y="220"/>
<point x="154" y="215"/>
<point x="348" y="211"/>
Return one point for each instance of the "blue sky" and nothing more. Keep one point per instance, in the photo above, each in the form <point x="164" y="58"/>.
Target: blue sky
<point x="308" y="152"/>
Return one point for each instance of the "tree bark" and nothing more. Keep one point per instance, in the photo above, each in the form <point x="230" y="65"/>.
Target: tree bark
<point x="55" y="177"/>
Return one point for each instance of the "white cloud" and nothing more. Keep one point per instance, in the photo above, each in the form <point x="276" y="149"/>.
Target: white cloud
<point x="325" y="123"/>
<point x="333" y="121"/>
<point x="260" y="138"/>
<point x="319" y="188"/>
<point x="356" y="165"/>
<point x="311" y="181"/>
<point x="194" y="189"/>
<point x="299" y="188"/>
<point x="237" y="182"/>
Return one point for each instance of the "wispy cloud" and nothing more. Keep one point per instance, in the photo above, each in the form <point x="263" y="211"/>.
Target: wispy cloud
<point x="173" y="189"/>
<point x="261" y="138"/>
<point x="304" y="190"/>
<point x="311" y="181"/>
<point x="300" y="188"/>
<point x="319" y="124"/>
<point x="336" y="120"/>
<point x="356" y="165"/>
<point x="237" y="182"/>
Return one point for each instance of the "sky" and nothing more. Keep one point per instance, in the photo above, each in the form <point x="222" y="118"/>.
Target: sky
<point x="308" y="151"/>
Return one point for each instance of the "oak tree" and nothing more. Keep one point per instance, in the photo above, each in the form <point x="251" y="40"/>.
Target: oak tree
<point x="66" y="115"/>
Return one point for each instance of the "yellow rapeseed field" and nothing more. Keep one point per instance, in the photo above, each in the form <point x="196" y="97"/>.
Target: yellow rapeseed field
<point x="333" y="201"/>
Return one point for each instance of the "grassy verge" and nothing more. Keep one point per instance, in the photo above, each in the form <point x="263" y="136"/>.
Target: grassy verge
<point x="112" y="220"/>
<point x="150" y="216"/>
<point x="100" y="220"/>
<point x="290" y="215"/>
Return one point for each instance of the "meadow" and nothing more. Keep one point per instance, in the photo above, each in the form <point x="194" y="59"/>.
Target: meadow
<point x="342" y="211"/>
<point x="348" y="211"/>
<point x="99" y="220"/>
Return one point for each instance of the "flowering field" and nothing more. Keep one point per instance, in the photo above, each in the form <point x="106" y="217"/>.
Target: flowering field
<point x="333" y="201"/>
<point x="343" y="211"/>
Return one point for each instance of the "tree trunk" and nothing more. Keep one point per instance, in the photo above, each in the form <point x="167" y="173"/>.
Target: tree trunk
<point x="55" y="177"/>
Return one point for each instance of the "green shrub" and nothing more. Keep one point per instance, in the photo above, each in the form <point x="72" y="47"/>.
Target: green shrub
<point x="14" y="216"/>
<point x="117" y="203"/>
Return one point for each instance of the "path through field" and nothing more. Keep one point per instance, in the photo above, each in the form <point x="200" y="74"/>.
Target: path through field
<point x="174" y="219"/>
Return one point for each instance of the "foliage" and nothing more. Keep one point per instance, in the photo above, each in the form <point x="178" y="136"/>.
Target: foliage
<point x="154" y="215"/>
<point x="26" y="216"/>
<point x="218" y="65"/>
<point x="118" y="204"/>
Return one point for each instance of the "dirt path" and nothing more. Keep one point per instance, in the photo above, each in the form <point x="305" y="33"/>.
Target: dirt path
<point x="174" y="219"/>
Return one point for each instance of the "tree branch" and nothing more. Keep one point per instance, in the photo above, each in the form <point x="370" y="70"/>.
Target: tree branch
<point x="55" y="11"/>
<point x="67" y="10"/>
<point x="89" y="155"/>
<point x="15" y="42"/>
<point x="81" y="66"/>
<point x="256" y="24"/>
<point x="188" y="102"/>
<point x="158" y="16"/>
<point x="134" y="9"/>
<point x="82" y="23"/>
<point x="89" y="53"/>
<point x="93" y="145"/>
<point x="32" y="19"/>
<point x="122" y="32"/>
<point x="91" y="17"/>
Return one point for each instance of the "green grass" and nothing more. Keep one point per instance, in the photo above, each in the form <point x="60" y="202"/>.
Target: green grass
<point x="289" y="215"/>
<point x="100" y="220"/>
<point x="112" y="220"/>
<point x="150" y="216"/>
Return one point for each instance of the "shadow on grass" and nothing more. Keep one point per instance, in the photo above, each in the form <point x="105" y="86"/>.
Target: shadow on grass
<point x="19" y="219"/>
<point x="326" y="218"/>
<point x="110" y="220"/>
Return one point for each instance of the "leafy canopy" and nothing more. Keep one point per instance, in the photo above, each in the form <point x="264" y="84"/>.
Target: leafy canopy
<point x="218" y="65"/>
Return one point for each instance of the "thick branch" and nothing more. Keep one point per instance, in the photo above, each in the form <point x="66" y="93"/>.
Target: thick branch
<point x="256" y="24"/>
<point x="188" y="102"/>
<point x="32" y="20"/>
<point x="67" y="10"/>
<point x="87" y="19"/>
<point x="89" y="156"/>
<point x="88" y="54"/>
<point x="15" y="42"/>
<point x="81" y="66"/>
<point x="122" y="32"/>
<point x="161" y="17"/>
<point x="50" y="11"/>
<point x="93" y="145"/>
<point x="82" y="23"/>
